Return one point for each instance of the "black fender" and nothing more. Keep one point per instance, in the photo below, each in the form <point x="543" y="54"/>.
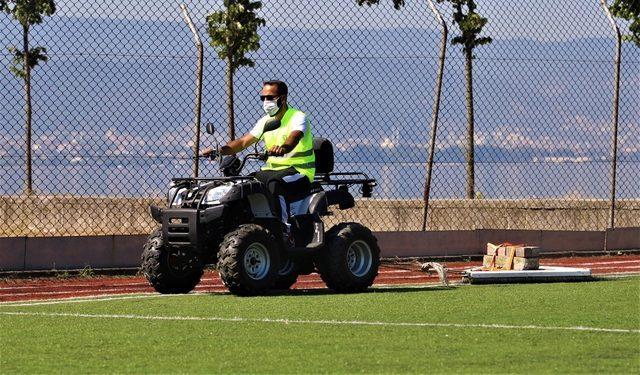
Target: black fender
<point x="156" y="213"/>
<point x="244" y="189"/>
<point x="252" y="191"/>
<point x="321" y="201"/>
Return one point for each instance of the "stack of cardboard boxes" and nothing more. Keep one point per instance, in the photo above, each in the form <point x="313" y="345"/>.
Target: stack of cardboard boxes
<point x="511" y="257"/>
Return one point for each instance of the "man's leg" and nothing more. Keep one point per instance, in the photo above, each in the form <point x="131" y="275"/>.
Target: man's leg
<point x="277" y="185"/>
<point x="297" y="188"/>
<point x="286" y="186"/>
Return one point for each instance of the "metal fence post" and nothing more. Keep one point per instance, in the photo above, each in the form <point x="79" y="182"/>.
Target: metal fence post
<point x="436" y="110"/>
<point x="616" y="104"/>
<point x="198" y="108"/>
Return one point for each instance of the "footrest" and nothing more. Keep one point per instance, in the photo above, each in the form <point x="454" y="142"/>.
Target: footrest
<point x="318" y="235"/>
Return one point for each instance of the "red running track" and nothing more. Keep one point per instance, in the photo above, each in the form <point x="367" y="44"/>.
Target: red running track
<point x="52" y="288"/>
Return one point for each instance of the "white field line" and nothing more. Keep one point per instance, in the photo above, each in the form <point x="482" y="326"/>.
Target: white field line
<point x="203" y="283"/>
<point x="46" y="286"/>
<point x="621" y="274"/>
<point x="133" y="284"/>
<point x="423" y="276"/>
<point x="93" y="298"/>
<point x="322" y="322"/>
<point x="217" y="282"/>
<point x="616" y="267"/>
<point x="618" y="275"/>
<point x="124" y="283"/>
<point x="423" y="285"/>
<point x="587" y="263"/>
<point x="199" y="287"/>
<point x="132" y="287"/>
<point x="102" y="290"/>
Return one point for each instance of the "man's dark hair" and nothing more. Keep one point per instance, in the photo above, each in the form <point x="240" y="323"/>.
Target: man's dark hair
<point x="282" y="87"/>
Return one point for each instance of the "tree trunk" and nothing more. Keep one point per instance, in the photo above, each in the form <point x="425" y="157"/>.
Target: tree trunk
<point x="27" y="88"/>
<point x="470" y="158"/>
<point x="230" y="114"/>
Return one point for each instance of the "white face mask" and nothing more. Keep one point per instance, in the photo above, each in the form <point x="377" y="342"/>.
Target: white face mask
<point x="270" y="107"/>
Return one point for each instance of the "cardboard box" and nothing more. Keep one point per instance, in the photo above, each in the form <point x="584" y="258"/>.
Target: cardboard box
<point x="519" y="263"/>
<point x="521" y="251"/>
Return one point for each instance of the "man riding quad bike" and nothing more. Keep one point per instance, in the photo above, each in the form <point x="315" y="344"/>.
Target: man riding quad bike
<point x="264" y="229"/>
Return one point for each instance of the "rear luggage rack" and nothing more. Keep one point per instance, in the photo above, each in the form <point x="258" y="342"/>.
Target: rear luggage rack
<point x="348" y="179"/>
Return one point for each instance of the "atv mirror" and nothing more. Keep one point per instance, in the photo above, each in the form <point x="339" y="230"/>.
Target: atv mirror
<point x="271" y="124"/>
<point x="210" y="128"/>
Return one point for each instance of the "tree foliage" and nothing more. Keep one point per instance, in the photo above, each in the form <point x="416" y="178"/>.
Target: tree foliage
<point x="396" y="3"/>
<point x="630" y="11"/>
<point x="36" y="54"/>
<point x="469" y="22"/>
<point x="27" y="13"/>
<point x="234" y="31"/>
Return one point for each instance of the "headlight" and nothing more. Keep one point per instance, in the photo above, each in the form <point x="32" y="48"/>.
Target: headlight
<point x="177" y="197"/>
<point x="214" y="195"/>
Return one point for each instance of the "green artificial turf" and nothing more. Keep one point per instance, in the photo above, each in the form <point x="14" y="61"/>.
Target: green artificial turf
<point x="44" y="344"/>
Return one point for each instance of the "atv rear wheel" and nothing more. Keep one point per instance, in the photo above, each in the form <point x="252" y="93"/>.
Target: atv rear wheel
<point x="350" y="260"/>
<point x="249" y="260"/>
<point x="170" y="271"/>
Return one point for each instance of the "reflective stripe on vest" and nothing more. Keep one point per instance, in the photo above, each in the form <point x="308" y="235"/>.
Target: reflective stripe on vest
<point x="301" y="157"/>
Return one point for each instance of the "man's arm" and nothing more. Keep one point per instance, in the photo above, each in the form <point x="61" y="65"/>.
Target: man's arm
<point x="233" y="147"/>
<point x="289" y="144"/>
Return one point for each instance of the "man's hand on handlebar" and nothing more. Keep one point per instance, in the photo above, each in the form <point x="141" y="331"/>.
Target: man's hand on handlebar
<point x="279" y="150"/>
<point x="213" y="153"/>
<point x="209" y="152"/>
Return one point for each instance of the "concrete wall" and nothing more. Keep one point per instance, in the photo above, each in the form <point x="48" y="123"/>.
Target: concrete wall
<point x="474" y="242"/>
<point x="37" y="216"/>
<point x="47" y="232"/>
<point x="462" y="214"/>
<point x="46" y="253"/>
<point x="72" y="252"/>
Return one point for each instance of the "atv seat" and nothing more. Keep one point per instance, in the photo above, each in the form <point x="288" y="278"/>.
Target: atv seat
<point x="318" y="200"/>
<point x="323" y="150"/>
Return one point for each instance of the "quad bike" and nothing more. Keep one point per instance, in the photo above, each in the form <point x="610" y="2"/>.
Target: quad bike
<point x="230" y="222"/>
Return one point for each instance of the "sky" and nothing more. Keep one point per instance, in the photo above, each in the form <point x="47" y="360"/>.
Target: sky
<point x="535" y="19"/>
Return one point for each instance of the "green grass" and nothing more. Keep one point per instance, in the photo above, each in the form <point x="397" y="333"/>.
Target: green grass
<point x="43" y="344"/>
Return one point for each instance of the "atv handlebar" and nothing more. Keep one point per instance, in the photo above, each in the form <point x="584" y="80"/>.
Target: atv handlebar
<point x="234" y="166"/>
<point x="211" y="156"/>
<point x="262" y="156"/>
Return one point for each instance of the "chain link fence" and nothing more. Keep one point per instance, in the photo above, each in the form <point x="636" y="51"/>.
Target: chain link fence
<point x="113" y="112"/>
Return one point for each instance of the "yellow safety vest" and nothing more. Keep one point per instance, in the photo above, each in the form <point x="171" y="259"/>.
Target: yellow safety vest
<point x="301" y="157"/>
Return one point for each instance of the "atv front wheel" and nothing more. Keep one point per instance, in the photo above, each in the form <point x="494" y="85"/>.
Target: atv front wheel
<point x="350" y="260"/>
<point x="170" y="271"/>
<point x="249" y="260"/>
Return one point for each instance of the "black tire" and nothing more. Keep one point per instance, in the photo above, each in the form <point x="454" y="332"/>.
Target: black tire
<point x="333" y="263"/>
<point x="169" y="271"/>
<point x="287" y="274"/>
<point x="248" y="260"/>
